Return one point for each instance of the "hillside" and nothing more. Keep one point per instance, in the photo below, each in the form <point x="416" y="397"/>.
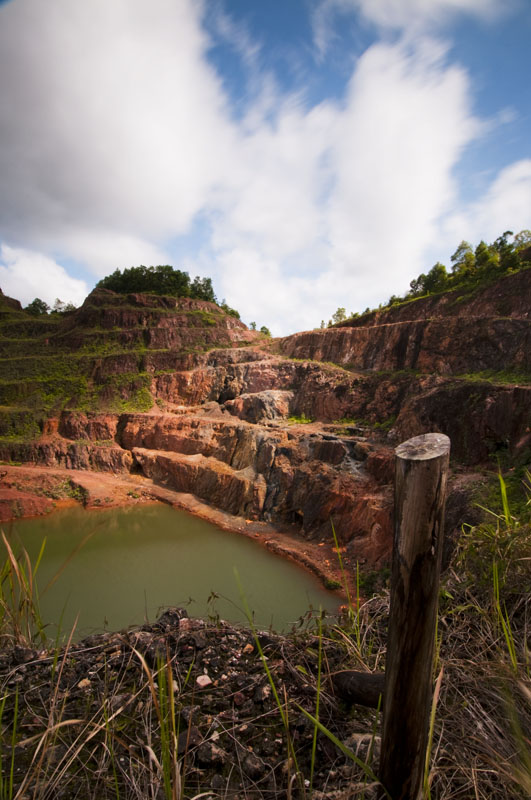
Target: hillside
<point x="139" y="397"/>
<point x="295" y="431"/>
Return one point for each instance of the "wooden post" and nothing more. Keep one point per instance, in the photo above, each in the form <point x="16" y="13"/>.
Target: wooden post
<point x="420" y="488"/>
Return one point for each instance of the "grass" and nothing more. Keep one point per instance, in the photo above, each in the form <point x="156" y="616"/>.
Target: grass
<point x="119" y="716"/>
<point x="46" y="367"/>
<point x="497" y="377"/>
<point x="302" y="419"/>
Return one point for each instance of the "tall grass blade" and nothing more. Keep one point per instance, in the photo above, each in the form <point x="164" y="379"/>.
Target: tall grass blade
<point x="344" y="749"/>
<point x="505" y="503"/>
<point x="433" y="711"/>
<point x="317" y="700"/>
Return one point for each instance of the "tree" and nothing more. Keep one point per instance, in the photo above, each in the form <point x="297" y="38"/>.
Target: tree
<point x="228" y="310"/>
<point x="37" y="307"/>
<point x="202" y="289"/>
<point x="522" y="239"/>
<point x="436" y="279"/>
<point x="265" y="331"/>
<point x="417" y="285"/>
<point x="463" y="260"/>
<point x="62" y="308"/>
<point x="163" y="279"/>
<point x="339" y="316"/>
<point x="509" y="259"/>
<point x="487" y="259"/>
<point x="252" y="326"/>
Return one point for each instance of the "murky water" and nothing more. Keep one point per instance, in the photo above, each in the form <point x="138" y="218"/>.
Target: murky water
<point x="119" y="567"/>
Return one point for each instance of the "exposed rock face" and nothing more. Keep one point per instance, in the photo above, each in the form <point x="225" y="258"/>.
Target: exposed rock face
<point x="480" y="419"/>
<point x="447" y="346"/>
<point x="9" y="302"/>
<point x="221" y="430"/>
<point x="16" y="503"/>
<point x="489" y="329"/>
<point x="156" y="322"/>
<point x="71" y="455"/>
<point x="263" y="473"/>
<point x="261" y="406"/>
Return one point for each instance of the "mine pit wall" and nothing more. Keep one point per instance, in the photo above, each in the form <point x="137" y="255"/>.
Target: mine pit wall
<point x="222" y="382"/>
<point x="450" y="346"/>
<point x="250" y="471"/>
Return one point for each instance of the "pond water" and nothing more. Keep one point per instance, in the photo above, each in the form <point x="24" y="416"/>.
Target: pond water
<point x="119" y="567"/>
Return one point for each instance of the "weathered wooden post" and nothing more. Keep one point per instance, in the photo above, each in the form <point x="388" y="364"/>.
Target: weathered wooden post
<point x="420" y="488"/>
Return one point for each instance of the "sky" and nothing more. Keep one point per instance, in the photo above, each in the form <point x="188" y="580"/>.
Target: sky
<point x="305" y="154"/>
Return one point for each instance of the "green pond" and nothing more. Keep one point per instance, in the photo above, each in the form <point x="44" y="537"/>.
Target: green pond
<point x="119" y="567"/>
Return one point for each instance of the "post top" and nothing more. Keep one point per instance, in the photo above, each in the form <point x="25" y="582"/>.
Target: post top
<point x="424" y="447"/>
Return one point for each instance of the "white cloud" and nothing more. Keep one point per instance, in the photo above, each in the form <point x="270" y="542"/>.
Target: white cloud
<point x="406" y="122"/>
<point x="107" y="250"/>
<point x="506" y="205"/>
<point x="26" y="275"/>
<point x="416" y="13"/>
<point x="346" y="198"/>
<point x="112" y="116"/>
<point x="412" y="17"/>
<point x="117" y="133"/>
<point x="272" y="194"/>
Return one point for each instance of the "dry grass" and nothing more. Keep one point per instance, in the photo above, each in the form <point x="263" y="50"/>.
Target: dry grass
<point x="122" y="716"/>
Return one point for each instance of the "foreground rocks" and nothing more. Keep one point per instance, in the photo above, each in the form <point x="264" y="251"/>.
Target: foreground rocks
<point x="112" y="696"/>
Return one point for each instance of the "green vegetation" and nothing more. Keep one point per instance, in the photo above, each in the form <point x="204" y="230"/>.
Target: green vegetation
<point x="386" y="424"/>
<point x="19" y="423"/>
<point x="340" y="315"/>
<point x="496" y="376"/>
<point x="471" y="268"/>
<point x="163" y="280"/>
<point x="38" y="308"/>
<point x="300" y="420"/>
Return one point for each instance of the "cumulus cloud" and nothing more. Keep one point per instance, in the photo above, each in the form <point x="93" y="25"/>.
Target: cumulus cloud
<point x="105" y="250"/>
<point x="404" y="127"/>
<point x="115" y="117"/>
<point x="118" y="134"/>
<point x="26" y="275"/>
<point x="348" y="196"/>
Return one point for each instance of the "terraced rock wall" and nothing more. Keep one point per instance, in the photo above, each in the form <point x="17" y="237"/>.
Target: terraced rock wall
<point x="178" y="392"/>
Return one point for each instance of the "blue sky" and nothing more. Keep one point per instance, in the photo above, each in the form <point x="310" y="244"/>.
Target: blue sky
<point x="306" y="154"/>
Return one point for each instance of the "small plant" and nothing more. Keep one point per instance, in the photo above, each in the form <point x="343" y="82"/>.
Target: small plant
<point x="331" y="584"/>
<point x="300" y="420"/>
